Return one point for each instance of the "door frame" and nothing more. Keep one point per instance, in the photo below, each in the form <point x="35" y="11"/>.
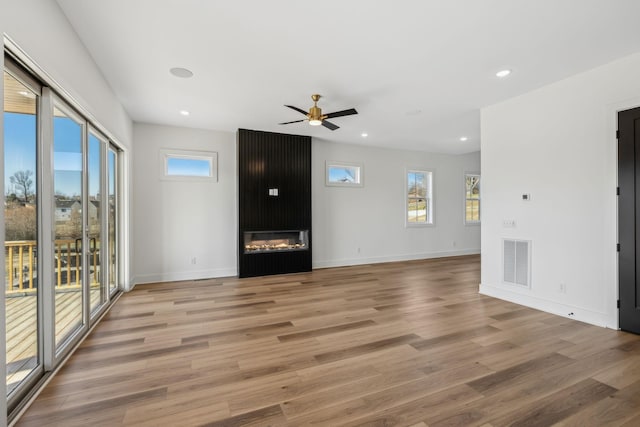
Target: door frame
<point x="612" y="128"/>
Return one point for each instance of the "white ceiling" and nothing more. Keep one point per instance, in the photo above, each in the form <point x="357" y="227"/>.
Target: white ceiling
<point x="417" y="71"/>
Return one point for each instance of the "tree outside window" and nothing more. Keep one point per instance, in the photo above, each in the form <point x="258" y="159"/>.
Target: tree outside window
<point x="472" y="199"/>
<point x="419" y="200"/>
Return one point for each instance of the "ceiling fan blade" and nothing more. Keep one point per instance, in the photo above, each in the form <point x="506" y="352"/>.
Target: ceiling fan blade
<point x="295" y="121"/>
<point x="342" y="113"/>
<point x="297" y="109"/>
<point x="329" y="125"/>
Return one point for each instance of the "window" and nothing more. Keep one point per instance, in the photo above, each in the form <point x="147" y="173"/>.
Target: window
<point x="419" y="199"/>
<point x="344" y="174"/>
<point x="189" y="165"/>
<point x="472" y="198"/>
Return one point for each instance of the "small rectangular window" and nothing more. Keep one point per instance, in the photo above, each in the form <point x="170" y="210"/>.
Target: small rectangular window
<point x="472" y="198"/>
<point x="344" y="174"/>
<point x="419" y="197"/>
<point x="189" y="165"/>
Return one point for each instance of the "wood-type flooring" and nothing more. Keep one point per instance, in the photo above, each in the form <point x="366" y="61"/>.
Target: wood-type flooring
<point x="406" y="344"/>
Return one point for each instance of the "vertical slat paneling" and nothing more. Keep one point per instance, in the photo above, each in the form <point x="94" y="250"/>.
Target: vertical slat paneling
<point x="272" y="160"/>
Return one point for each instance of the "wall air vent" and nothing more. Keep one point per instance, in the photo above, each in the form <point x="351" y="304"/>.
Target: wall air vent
<point x="516" y="262"/>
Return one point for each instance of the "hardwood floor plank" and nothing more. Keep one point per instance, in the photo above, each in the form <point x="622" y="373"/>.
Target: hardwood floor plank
<point x="231" y="307"/>
<point x="503" y="378"/>
<point x="620" y="407"/>
<point x="109" y="345"/>
<point x="558" y="406"/>
<point x="191" y="408"/>
<point x="142" y="355"/>
<point x="412" y="412"/>
<point x="271" y="415"/>
<point x="325" y="331"/>
<point x="366" y="348"/>
<point x="621" y="374"/>
<point x="273" y="327"/>
<point x="109" y="318"/>
<point x="453" y="337"/>
<point x="132" y="330"/>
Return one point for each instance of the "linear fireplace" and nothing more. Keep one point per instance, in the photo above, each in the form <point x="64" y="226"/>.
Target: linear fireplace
<point x="274" y="203"/>
<point x="256" y="242"/>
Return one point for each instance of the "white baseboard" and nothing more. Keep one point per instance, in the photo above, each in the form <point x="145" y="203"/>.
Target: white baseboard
<point x="392" y="258"/>
<point x="565" y="310"/>
<point x="177" y="276"/>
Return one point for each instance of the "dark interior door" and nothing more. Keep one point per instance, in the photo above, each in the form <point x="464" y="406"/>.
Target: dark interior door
<point x="628" y="218"/>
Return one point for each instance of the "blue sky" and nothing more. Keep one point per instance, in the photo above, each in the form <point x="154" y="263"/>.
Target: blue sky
<point x="20" y="152"/>
<point x="19" y="143"/>
<point x="341" y="174"/>
<point x="188" y="166"/>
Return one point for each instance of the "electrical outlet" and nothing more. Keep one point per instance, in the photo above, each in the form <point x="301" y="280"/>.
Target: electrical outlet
<point x="358" y="250"/>
<point x="194" y="260"/>
<point x="562" y="288"/>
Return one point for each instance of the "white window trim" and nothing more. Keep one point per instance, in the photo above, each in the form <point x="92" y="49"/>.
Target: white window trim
<point x="360" y="174"/>
<point x="464" y="200"/>
<point x="432" y="211"/>
<point x="209" y="156"/>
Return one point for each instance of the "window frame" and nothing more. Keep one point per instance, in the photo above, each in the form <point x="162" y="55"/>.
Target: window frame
<point x="357" y="166"/>
<point x="210" y="156"/>
<point x="429" y="195"/>
<point x="466" y="199"/>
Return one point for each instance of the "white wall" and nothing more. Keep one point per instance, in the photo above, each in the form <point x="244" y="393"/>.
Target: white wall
<point x="558" y="144"/>
<point x="179" y="220"/>
<point x="371" y="217"/>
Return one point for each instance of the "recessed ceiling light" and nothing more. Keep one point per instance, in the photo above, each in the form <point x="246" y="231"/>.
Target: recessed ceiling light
<point x="181" y="72"/>
<point x="364" y="134"/>
<point x="463" y="138"/>
<point x="184" y="112"/>
<point x="503" y="73"/>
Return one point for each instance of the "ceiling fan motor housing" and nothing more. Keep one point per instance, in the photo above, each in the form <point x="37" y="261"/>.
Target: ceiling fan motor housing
<point x="315" y="113"/>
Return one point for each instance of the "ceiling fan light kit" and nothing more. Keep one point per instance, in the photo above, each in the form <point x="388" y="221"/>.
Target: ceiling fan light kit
<point x="315" y="117"/>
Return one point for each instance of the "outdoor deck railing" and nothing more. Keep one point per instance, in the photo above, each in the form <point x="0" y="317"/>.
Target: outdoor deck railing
<point x="21" y="270"/>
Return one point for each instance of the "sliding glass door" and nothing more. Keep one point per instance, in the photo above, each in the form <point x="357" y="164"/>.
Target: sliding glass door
<point x="61" y="227"/>
<point x="21" y="255"/>
<point x="68" y="165"/>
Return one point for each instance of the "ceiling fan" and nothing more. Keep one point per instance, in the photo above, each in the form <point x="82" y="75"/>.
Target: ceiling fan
<point x="315" y="116"/>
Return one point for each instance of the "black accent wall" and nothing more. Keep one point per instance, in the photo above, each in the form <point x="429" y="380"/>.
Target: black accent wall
<point x="268" y="160"/>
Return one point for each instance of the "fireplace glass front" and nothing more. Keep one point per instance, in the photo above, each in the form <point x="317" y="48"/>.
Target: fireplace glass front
<point x="274" y="241"/>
